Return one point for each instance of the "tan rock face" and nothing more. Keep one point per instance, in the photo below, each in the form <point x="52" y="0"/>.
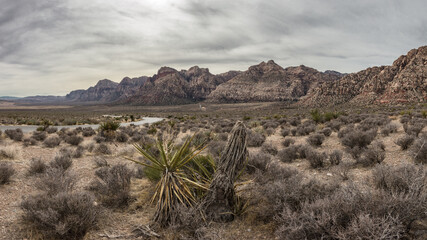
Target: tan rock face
<point x="270" y="82"/>
<point x="405" y="81"/>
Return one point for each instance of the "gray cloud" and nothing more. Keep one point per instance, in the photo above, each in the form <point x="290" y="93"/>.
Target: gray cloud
<point x="52" y="47"/>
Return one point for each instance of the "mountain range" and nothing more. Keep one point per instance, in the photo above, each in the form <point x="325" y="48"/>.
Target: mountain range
<point x="405" y="81"/>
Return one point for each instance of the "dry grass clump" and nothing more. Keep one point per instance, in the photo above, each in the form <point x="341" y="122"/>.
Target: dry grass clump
<point x="326" y="131"/>
<point x="405" y="142"/>
<point x="37" y="166"/>
<point x="14" y="134"/>
<point x="6" y="172"/>
<point x="9" y="152"/>
<point x="112" y="186"/>
<point x="52" y="142"/>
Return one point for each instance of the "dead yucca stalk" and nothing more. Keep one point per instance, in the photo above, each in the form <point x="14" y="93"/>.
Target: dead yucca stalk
<point x="220" y="201"/>
<point x="175" y="186"/>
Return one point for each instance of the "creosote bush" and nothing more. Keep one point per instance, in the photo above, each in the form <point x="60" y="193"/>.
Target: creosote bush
<point x="287" y="142"/>
<point x="103" y="148"/>
<point x="268" y="147"/>
<point x="62" y="161"/>
<point x="335" y="157"/>
<point x="6" y="172"/>
<point x="258" y="162"/>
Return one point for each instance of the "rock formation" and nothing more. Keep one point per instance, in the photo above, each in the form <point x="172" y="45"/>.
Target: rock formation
<point x="405" y="81"/>
<point x="268" y="81"/>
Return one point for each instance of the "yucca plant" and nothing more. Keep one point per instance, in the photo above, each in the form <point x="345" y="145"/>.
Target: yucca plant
<point x="178" y="184"/>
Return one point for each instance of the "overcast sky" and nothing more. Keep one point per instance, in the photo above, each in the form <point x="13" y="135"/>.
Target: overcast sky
<point x="55" y="46"/>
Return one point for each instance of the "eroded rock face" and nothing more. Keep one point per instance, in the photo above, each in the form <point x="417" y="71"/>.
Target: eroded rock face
<point x="405" y="81"/>
<point x="268" y="81"/>
<point x="170" y="86"/>
<point x="96" y="93"/>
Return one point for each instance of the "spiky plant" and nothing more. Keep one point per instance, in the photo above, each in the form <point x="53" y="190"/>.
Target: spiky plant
<point x="177" y="184"/>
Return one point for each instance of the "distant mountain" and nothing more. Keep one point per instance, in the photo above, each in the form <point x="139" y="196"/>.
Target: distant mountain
<point x="41" y="100"/>
<point x="268" y="81"/>
<point x="8" y="98"/>
<point x="405" y="81"/>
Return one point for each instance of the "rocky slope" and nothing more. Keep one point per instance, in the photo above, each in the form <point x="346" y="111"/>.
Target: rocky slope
<point x="268" y="81"/>
<point x="405" y="81"/>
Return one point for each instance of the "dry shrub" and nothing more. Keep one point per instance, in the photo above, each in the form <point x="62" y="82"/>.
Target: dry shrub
<point x="357" y="138"/>
<point x="122" y="137"/>
<point x="103" y="148"/>
<point x="51" y="130"/>
<point x="15" y="134"/>
<point x="74" y="140"/>
<point x="268" y="147"/>
<point x="216" y="147"/>
<point x="88" y="132"/>
<point x="255" y="139"/>
<point x="374" y="154"/>
<point x="37" y="166"/>
<point x="287" y="142"/>
<point x="258" y="162"/>
<point x="316" y="140"/>
<point x="62" y="160"/>
<point x="29" y="142"/>
<point x="405" y="142"/>
<point x="413" y="129"/>
<point x="389" y="128"/>
<point x="52" y="141"/>
<point x="335" y="157"/>
<point x="39" y="136"/>
<point x="285" y="132"/>
<point x="100" y="162"/>
<point x="112" y="186"/>
<point x="291" y="192"/>
<point x="288" y="154"/>
<point x="6" y="172"/>
<point x="398" y="179"/>
<point x="55" y="180"/>
<point x="316" y="159"/>
<point x="419" y="150"/>
<point x="66" y="215"/>
<point x="326" y="131"/>
<point x="337" y="216"/>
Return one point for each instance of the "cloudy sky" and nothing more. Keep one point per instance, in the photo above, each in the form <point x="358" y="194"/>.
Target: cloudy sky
<point x="55" y="46"/>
